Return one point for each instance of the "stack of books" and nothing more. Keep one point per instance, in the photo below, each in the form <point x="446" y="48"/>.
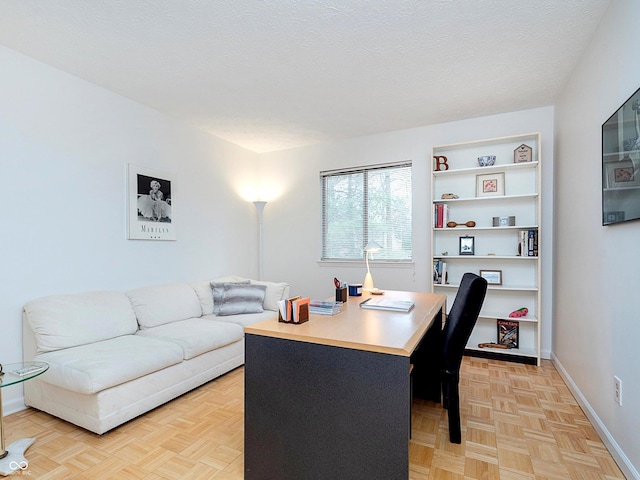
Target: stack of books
<point x="293" y="310"/>
<point x="440" y="215"/>
<point x="324" y="307"/>
<point x="528" y="243"/>
<point x="440" y="273"/>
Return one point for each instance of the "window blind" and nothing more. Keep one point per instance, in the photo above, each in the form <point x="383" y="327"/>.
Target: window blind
<point x="363" y="204"/>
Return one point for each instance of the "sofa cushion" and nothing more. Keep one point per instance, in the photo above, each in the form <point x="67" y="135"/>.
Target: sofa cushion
<point x="204" y="293"/>
<point x="164" y="303"/>
<point x="239" y="299"/>
<point x="217" y="291"/>
<point x="243" y="320"/>
<point x="274" y="293"/>
<point x="63" y="321"/>
<point x="196" y="336"/>
<point x="97" y="366"/>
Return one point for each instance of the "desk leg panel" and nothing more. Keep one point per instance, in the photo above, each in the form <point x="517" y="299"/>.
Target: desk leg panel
<point x="426" y="360"/>
<point x="318" y="412"/>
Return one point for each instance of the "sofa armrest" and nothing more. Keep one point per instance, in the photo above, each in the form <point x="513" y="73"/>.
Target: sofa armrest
<point x="29" y="344"/>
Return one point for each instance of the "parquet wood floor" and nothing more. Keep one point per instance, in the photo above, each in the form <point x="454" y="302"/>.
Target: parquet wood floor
<point x="519" y="422"/>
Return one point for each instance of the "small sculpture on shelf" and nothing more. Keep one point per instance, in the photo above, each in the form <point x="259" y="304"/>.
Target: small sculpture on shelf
<point x="470" y="223"/>
<point x="521" y="312"/>
<point x="449" y="196"/>
<point x="522" y="154"/>
<point x="486" y="160"/>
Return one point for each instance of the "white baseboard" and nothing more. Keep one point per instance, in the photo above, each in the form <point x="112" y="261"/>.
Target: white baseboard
<point x="616" y="452"/>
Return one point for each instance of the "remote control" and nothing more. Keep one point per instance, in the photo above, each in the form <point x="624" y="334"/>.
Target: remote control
<point x="27" y="370"/>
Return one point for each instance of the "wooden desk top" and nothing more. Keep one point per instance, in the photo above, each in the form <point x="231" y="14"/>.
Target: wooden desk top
<point x="381" y="331"/>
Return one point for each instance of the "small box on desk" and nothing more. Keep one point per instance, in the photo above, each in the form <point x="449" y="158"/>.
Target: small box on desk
<point x="341" y="294"/>
<point x="294" y="310"/>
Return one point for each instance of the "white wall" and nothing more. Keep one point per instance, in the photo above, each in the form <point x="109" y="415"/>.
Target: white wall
<point x="64" y="147"/>
<point x="292" y="219"/>
<point x="597" y="270"/>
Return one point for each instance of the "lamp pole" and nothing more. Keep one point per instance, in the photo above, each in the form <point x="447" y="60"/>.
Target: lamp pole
<point x="259" y="208"/>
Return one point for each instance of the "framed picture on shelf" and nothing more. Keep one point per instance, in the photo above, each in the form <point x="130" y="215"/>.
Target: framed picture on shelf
<point x="622" y="174"/>
<point x="493" y="277"/>
<point x="509" y="221"/>
<point x="467" y="245"/>
<point x="508" y="333"/>
<point x="490" y="185"/>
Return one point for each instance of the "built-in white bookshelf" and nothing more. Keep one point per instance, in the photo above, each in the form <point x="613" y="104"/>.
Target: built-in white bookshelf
<point x="509" y="188"/>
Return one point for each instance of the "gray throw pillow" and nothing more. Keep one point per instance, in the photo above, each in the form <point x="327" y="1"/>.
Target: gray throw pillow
<point x="218" y="291"/>
<point x="238" y="299"/>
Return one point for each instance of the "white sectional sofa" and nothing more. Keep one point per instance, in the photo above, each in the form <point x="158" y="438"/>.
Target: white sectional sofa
<point x="114" y="356"/>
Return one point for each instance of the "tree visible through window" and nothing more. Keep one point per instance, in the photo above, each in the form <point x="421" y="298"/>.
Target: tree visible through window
<point x="363" y="204"/>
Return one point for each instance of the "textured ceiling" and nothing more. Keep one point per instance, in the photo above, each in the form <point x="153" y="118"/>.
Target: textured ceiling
<point x="277" y="74"/>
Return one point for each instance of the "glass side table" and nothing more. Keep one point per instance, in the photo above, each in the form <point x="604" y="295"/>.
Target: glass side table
<point x="12" y="457"/>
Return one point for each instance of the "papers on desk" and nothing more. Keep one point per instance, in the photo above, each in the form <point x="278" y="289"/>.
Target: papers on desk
<point x="324" y="307"/>
<point x="385" y="304"/>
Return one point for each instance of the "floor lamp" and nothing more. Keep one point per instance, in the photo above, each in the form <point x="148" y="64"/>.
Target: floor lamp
<point x="260" y="208"/>
<point x="371" y="247"/>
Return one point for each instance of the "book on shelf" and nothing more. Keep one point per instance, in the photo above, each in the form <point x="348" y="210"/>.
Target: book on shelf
<point x="386" y="304"/>
<point x="439" y="271"/>
<point x="440" y="215"/>
<point x="324" y="307"/>
<point x="528" y="243"/>
<point x="508" y="332"/>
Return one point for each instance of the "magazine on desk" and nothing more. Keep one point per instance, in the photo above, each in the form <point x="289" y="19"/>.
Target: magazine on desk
<point x="385" y="304"/>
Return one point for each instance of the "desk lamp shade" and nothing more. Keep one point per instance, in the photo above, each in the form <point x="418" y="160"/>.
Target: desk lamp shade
<point x="372" y="246"/>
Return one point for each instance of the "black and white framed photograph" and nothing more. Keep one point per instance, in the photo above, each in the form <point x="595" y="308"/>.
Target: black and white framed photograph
<point x="467" y="245"/>
<point x="493" y="277"/>
<point x="150" y="204"/>
<point x="621" y="163"/>
<point x="490" y="185"/>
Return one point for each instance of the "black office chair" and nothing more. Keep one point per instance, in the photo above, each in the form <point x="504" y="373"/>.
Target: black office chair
<point x="455" y="334"/>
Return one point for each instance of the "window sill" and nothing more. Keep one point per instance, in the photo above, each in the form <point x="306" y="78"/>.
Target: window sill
<point x="361" y="263"/>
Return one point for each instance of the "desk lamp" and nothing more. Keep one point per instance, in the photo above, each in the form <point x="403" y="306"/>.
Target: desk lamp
<point x="372" y="246"/>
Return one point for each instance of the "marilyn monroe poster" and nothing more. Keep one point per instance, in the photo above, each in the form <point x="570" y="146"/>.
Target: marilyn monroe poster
<point x="151" y="207"/>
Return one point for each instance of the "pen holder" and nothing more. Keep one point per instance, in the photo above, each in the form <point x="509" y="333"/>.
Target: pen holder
<point x="341" y="294"/>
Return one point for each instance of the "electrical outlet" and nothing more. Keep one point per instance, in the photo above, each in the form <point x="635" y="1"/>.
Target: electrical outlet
<point x="617" y="392"/>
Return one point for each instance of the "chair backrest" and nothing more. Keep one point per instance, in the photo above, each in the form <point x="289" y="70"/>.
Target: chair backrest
<point x="461" y="320"/>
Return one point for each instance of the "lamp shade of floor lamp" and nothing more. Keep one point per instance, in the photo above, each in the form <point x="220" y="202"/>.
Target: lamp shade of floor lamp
<point x="371" y="247"/>
<point x="260" y="208"/>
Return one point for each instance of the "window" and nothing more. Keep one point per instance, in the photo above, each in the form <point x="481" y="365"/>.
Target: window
<point x="363" y="204"/>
